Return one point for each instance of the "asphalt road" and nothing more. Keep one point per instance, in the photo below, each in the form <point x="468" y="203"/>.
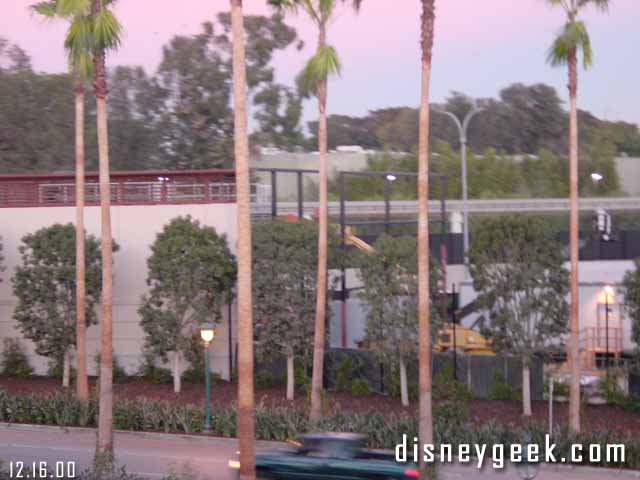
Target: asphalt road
<point x="155" y="455"/>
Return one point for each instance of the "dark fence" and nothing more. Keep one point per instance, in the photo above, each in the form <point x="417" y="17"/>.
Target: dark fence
<point x="475" y="371"/>
<point x="634" y="383"/>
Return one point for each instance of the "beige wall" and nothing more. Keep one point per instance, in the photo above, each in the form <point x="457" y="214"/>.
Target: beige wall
<point x="135" y="229"/>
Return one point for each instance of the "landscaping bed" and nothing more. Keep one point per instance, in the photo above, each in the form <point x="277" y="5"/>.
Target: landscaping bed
<point x="224" y="394"/>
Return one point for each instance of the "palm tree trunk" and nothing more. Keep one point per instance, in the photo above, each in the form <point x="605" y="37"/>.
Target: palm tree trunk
<point x="321" y="287"/>
<point x="424" y="355"/>
<point x="573" y="353"/>
<point x="82" y="382"/>
<point x="104" y="448"/>
<point x="246" y="425"/>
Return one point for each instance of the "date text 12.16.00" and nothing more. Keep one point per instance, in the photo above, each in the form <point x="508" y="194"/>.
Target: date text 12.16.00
<point x="42" y="470"/>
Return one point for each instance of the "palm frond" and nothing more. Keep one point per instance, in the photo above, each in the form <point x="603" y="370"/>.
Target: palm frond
<point x="47" y="9"/>
<point x="67" y="8"/>
<point x="81" y="64"/>
<point x="325" y="8"/>
<point x="106" y="31"/>
<point x="79" y="38"/>
<point x="319" y="67"/>
<point x="602" y="5"/>
<point x="574" y="38"/>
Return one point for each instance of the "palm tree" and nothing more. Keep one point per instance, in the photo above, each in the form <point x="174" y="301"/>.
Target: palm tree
<point x="78" y="49"/>
<point x="424" y="354"/>
<point x="313" y="79"/>
<point x="573" y="38"/>
<point x="246" y="427"/>
<point x="105" y="35"/>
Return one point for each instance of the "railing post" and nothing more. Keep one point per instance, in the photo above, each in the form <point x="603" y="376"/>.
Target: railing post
<point x="207" y="192"/>
<point x="274" y="194"/>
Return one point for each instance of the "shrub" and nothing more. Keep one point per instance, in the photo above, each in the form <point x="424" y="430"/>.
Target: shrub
<point x="55" y="368"/>
<point x="119" y="373"/>
<point x="343" y="372"/>
<point x="610" y="389"/>
<point x="382" y="430"/>
<point x="148" y="369"/>
<point x="14" y="361"/>
<point x="360" y="387"/>
<point x="263" y="379"/>
<point x="560" y="389"/>
<point x="500" y="388"/>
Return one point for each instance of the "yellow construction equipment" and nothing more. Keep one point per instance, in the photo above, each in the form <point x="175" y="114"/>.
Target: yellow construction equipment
<point x="468" y="341"/>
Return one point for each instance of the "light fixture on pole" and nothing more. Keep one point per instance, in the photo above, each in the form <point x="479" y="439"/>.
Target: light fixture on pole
<point x="597" y="177"/>
<point x="207" y="334"/>
<point x="462" y="132"/>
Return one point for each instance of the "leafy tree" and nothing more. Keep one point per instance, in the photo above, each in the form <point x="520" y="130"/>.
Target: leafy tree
<point x="285" y="268"/>
<point x="390" y="293"/>
<point x="279" y="110"/>
<point x="195" y="84"/>
<point x="572" y="40"/>
<point x="313" y="80"/>
<point x="517" y="270"/>
<point x="191" y="275"/>
<point x="45" y="286"/>
<point x="631" y="291"/>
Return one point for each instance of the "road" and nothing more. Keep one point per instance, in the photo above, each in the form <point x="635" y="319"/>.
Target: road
<point x="155" y="455"/>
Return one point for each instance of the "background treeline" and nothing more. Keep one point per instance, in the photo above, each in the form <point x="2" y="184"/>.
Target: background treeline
<point x="180" y="117"/>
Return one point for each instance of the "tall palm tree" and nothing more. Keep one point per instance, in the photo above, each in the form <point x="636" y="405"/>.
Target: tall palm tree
<point x="313" y="79"/>
<point x="246" y="427"/>
<point x="424" y="354"/>
<point x="573" y="38"/>
<point x="78" y="49"/>
<point x="105" y="35"/>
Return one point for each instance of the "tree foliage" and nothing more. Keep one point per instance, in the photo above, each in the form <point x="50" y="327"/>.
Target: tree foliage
<point x="389" y="278"/>
<point x="517" y="269"/>
<point x="44" y="284"/>
<point x="631" y="291"/>
<point x="191" y="273"/>
<point x="285" y="269"/>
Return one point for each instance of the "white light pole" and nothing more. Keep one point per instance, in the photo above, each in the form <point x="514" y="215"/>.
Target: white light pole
<point x="462" y="131"/>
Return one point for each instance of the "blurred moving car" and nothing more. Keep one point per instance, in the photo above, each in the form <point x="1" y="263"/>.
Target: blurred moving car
<point x="330" y="456"/>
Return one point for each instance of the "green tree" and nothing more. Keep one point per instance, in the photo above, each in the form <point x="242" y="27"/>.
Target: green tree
<point x="517" y="270"/>
<point x="573" y="39"/>
<point x="285" y="268"/>
<point x="45" y="286"/>
<point x="389" y="276"/>
<point x="313" y="80"/>
<point x="631" y="291"/>
<point x="191" y="273"/>
<point x="278" y="113"/>
<point x="195" y="83"/>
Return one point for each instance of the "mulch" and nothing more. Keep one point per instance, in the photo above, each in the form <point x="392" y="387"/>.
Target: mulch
<point x="600" y="417"/>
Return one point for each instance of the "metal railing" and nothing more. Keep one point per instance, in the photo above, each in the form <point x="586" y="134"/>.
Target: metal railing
<point x="595" y="339"/>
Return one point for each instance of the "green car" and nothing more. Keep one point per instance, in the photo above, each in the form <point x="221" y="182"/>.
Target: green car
<point x="330" y="456"/>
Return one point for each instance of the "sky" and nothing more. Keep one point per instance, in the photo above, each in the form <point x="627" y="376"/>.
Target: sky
<point x="481" y="46"/>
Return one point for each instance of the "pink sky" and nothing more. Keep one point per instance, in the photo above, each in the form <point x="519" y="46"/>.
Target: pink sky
<point x="481" y="47"/>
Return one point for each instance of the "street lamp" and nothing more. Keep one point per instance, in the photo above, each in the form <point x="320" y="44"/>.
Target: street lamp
<point x="207" y="333"/>
<point x="597" y="177"/>
<point x="462" y="131"/>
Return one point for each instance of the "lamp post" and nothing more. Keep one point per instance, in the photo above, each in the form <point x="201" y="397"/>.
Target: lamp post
<point x="207" y="333"/>
<point x="462" y="132"/>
